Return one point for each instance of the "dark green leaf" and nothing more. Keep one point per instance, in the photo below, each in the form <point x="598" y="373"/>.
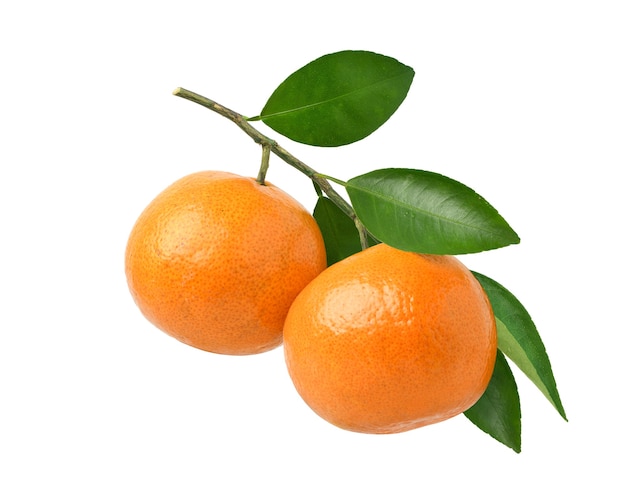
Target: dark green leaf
<point x="519" y="339"/>
<point x="338" y="99"/>
<point x="341" y="237"/>
<point x="498" y="412"/>
<point x="422" y="211"/>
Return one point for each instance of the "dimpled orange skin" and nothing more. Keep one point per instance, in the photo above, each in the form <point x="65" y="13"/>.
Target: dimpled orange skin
<point x="387" y="341"/>
<point x="216" y="260"/>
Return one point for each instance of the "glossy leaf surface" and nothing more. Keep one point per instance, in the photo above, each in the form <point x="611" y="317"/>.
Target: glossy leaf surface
<point x="520" y="341"/>
<point x="498" y="411"/>
<point x="422" y="211"/>
<point x="338" y="99"/>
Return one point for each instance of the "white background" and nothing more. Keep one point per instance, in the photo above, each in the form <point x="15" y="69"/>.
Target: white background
<point x="522" y="101"/>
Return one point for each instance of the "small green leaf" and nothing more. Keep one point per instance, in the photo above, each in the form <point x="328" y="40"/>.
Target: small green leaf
<point x="421" y="211"/>
<point x="338" y="99"/>
<point x="498" y="411"/>
<point x="341" y="236"/>
<point x="520" y="341"/>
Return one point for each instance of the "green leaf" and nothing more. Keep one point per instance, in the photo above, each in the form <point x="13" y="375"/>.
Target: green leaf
<point x="338" y="99"/>
<point x="421" y="211"/>
<point x="498" y="411"/>
<point x="341" y="236"/>
<point x="520" y="341"/>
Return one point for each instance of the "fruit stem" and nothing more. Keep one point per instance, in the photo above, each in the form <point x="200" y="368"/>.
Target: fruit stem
<point x="265" y="163"/>
<point x="271" y="145"/>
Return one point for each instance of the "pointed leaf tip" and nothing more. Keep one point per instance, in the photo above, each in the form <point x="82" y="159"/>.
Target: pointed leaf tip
<point x="498" y="411"/>
<point x="520" y="341"/>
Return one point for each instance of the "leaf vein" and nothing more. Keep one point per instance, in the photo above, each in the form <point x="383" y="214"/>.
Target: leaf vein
<point x="330" y="100"/>
<point x="405" y="205"/>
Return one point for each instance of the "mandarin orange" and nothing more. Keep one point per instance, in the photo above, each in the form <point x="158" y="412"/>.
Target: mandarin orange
<point x="216" y="260"/>
<point x="386" y="341"/>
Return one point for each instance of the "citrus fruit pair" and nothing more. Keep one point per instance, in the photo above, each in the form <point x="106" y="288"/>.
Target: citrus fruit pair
<point x="382" y="342"/>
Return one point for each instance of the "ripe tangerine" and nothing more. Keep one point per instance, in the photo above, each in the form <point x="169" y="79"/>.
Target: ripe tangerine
<point x="387" y="340"/>
<point x="216" y="260"/>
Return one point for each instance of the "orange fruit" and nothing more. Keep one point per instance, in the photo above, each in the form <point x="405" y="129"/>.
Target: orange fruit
<point x="386" y="341"/>
<point x="216" y="260"/>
